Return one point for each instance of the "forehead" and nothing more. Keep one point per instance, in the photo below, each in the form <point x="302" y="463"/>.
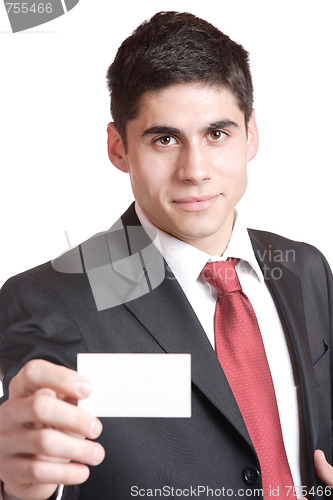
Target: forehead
<point x="184" y="102"/>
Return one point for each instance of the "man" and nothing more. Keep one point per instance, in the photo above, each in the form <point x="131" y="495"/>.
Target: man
<point x="184" y="130"/>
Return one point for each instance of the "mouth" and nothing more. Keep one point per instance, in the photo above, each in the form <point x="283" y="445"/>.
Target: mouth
<point x="196" y="203"/>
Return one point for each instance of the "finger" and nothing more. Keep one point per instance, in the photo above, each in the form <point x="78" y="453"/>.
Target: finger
<point x="323" y="469"/>
<point x="38" y="374"/>
<point x="42" y="409"/>
<point x="52" y="443"/>
<point x="23" y="470"/>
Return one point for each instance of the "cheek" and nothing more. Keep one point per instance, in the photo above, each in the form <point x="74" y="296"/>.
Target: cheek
<point x="240" y="179"/>
<point x="153" y="176"/>
<point x="138" y="172"/>
<point x="233" y="168"/>
<point x="146" y="184"/>
<point x="233" y="177"/>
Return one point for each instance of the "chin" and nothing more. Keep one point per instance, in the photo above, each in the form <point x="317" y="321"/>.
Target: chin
<point x="195" y="232"/>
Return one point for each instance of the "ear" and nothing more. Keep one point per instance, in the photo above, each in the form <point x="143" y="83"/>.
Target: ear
<point x="252" y="137"/>
<point x="116" y="150"/>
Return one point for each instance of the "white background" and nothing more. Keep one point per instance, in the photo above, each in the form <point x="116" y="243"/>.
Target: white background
<point x="54" y="108"/>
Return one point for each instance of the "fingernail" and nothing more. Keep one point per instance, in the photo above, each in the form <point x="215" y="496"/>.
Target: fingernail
<point x="95" y="428"/>
<point x="83" y="473"/>
<point x="83" y="388"/>
<point x="99" y="455"/>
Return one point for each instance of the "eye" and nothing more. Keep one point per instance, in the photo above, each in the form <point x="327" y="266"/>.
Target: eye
<point x="165" y="140"/>
<point x="216" y="135"/>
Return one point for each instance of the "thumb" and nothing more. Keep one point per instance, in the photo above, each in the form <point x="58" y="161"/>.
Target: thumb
<point x="323" y="469"/>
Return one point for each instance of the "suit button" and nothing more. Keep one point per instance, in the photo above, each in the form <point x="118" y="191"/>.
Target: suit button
<point x="251" y="475"/>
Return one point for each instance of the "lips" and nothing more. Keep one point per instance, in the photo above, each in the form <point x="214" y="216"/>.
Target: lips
<point x="196" y="203"/>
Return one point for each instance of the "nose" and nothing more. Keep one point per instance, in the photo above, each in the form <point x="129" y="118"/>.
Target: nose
<point x="193" y="166"/>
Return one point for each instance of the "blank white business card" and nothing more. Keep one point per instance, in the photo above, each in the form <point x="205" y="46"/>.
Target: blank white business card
<point x="137" y="385"/>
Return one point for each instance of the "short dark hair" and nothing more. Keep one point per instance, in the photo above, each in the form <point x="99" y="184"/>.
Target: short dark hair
<point x="175" y="47"/>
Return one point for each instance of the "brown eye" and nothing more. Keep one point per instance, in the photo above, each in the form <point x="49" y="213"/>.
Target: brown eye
<point x="166" y="140"/>
<point x="216" y="134"/>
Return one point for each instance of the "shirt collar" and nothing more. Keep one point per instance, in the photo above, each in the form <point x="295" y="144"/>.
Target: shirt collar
<point x="240" y="247"/>
<point x="179" y="254"/>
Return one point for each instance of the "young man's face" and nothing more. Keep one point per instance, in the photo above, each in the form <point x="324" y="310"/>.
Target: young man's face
<point x="187" y="154"/>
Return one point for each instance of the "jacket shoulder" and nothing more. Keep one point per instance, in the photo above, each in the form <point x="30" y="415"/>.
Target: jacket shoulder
<point x="300" y="257"/>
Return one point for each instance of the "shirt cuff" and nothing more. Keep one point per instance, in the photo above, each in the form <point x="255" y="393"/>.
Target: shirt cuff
<point x="57" y="495"/>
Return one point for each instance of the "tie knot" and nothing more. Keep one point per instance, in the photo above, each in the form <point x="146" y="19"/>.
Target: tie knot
<point x="222" y="276"/>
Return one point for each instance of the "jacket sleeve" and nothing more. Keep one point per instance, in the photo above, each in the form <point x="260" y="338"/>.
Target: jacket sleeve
<point x="34" y="323"/>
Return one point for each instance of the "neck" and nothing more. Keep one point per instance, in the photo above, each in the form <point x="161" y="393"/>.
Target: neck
<point x="217" y="243"/>
<point x="214" y="244"/>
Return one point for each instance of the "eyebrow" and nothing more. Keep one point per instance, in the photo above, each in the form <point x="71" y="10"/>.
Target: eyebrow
<point x="164" y="129"/>
<point x="221" y="124"/>
<point x="161" y="129"/>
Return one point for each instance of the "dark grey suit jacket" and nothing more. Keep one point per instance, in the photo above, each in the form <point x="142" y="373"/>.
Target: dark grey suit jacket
<point x="114" y="293"/>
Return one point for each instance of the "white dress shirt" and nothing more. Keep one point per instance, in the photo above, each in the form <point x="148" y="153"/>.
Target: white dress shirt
<point x="186" y="263"/>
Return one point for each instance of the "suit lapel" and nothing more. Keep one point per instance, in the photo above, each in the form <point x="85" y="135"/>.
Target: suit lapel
<point x="286" y="289"/>
<point x="168" y="316"/>
<point x="166" y="313"/>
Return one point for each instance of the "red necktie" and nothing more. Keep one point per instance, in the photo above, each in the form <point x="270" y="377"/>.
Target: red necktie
<point x="241" y="352"/>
